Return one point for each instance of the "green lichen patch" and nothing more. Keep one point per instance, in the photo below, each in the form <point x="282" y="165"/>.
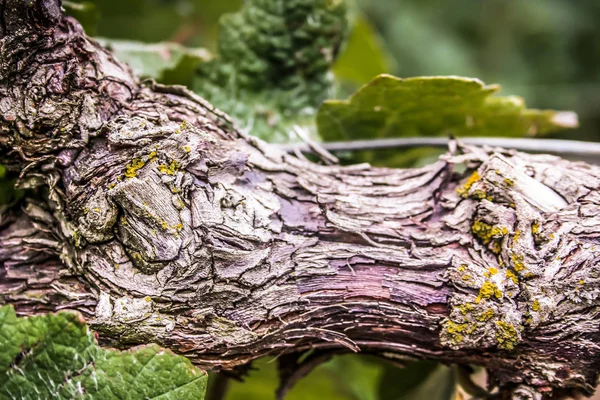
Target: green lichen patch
<point x="506" y="335"/>
<point x="485" y="316"/>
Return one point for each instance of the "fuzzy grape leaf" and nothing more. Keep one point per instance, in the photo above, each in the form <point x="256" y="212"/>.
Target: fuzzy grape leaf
<point x="55" y="356"/>
<point x="168" y="63"/>
<point x="428" y="106"/>
<point x="274" y="62"/>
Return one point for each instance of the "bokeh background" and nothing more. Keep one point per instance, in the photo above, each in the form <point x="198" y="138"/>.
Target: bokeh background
<point x="547" y="51"/>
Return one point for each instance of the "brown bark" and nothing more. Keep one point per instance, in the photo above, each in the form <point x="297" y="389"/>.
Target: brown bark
<point x="159" y="221"/>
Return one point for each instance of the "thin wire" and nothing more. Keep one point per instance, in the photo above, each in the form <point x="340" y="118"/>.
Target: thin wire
<point x="555" y="146"/>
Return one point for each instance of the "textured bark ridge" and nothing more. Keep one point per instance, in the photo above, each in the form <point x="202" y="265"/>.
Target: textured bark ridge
<point x="153" y="216"/>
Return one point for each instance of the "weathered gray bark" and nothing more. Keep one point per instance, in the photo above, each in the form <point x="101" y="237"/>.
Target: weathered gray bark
<point x="159" y="221"/>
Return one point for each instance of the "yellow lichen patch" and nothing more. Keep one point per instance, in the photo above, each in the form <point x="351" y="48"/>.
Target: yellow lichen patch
<point x="517" y="262"/>
<point x="465" y="308"/>
<point x="517" y="235"/>
<point x="147" y="299"/>
<point x="187" y="148"/>
<point x="487" y="290"/>
<point x="510" y="275"/>
<point x="456" y="330"/>
<point x="463" y="190"/>
<point x="491" y="271"/>
<point x="76" y="238"/>
<point x="535" y="228"/>
<point x="462" y="268"/>
<point x="486" y="315"/>
<point x="496" y="248"/>
<point x="483" y="231"/>
<point x="480" y="195"/>
<point x="133" y="167"/>
<point x="489" y="234"/>
<point x="152" y="156"/>
<point x="536" y="305"/>
<point x="509" y="182"/>
<point x="170" y="169"/>
<point x="506" y="335"/>
<point x="486" y="232"/>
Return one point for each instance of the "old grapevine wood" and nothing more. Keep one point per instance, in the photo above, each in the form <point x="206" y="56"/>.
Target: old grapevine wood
<point x="150" y="214"/>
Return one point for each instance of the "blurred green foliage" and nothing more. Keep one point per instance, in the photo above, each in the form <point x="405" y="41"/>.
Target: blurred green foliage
<point x="272" y="70"/>
<point x="547" y="51"/>
<point x="430" y="106"/>
<point x="351" y="377"/>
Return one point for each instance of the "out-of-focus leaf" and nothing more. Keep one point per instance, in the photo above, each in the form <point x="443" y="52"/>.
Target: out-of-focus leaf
<point x="357" y="376"/>
<point x="166" y="62"/>
<point x="263" y="381"/>
<point x="419" y="380"/>
<point x="55" y="356"/>
<point x="8" y="193"/>
<point x="86" y="13"/>
<point x="364" y="55"/>
<point x="273" y="69"/>
<point x="427" y="106"/>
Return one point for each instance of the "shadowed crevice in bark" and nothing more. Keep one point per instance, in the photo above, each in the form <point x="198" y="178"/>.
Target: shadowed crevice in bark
<point x="161" y="222"/>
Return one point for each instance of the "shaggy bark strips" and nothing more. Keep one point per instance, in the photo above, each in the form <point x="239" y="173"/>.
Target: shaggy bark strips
<point x="152" y="215"/>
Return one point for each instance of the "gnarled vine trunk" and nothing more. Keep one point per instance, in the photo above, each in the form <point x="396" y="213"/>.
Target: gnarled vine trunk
<point x="154" y="217"/>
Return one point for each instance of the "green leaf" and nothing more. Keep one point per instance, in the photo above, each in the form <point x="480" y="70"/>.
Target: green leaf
<point x="275" y="57"/>
<point x="169" y="63"/>
<point x="55" y="356"/>
<point x="85" y="12"/>
<point x="356" y="375"/>
<point x="364" y="55"/>
<point x="419" y="380"/>
<point x="347" y="377"/>
<point x="8" y="193"/>
<point x="428" y="106"/>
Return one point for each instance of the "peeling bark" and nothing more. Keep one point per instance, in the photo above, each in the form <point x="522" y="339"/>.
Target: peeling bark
<point x="159" y="221"/>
